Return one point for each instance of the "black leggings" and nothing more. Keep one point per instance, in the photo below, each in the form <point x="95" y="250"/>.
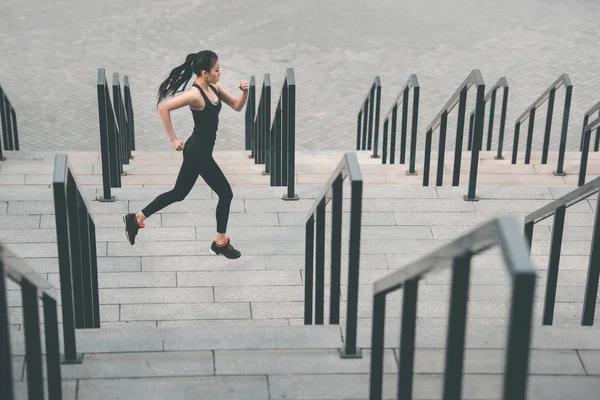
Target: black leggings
<point x="205" y="166"/>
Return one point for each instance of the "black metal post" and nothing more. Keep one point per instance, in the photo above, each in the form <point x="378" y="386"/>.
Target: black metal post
<point x="585" y="123"/>
<point x="584" y="157"/>
<point x="320" y="265"/>
<point x="553" y="264"/>
<point x="358" y="130"/>
<point x="309" y="270"/>
<point x="377" y="346"/>
<point x="442" y="149"/>
<point x="519" y="336"/>
<point x="529" y="234"/>
<point x="413" y="136"/>
<point x="407" y="339"/>
<point x="278" y="177"/>
<point x="471" y="122"/>
<point x="129" y="113"/>
<point x="404" y="126"/>
<point x="385" y="142"/>
<point x="377" y="114"/>
<point x="371" y="106"/>
<point x="33" y="341"/>
<point x="502" y="124"/>
<point x="336" y="250"/>
<point x="104" y="137"/>
<point x="364" y="124"/>
<point x="86" y="262"/>
<point x="74" y="241"/>
<point x="291" y="132"/>
<point x="548" y="128"/>
<point x="529" y="136"/>
<point x="477" y="140"/>
<point x="350" y="350"/>
<point x="94" y="271"/>
<point x="394" y="133"/>
<point x="427" y="162"/>
<point x="52" y="348"/>
<point x="6" y="389"/>
<point x="591" y="285"/>
<point x="488" y="146"/>
<point x="460" y="127"/>
<point x="563" y="134"/>
<point x="516" y="143"/>
<point x="455" y="342"/>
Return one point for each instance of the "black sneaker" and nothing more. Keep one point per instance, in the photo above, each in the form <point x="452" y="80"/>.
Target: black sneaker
<point x="131" y="227"/>
<point x="227" y="250"/>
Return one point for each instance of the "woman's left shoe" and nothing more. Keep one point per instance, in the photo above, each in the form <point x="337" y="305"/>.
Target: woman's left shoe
<point x="227" y="249"/>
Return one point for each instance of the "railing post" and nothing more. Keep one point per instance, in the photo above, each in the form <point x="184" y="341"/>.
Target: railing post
<point x="350" y="350"/>
<point x="563" y="134"/>
<point x="33" y="340"/>
<point x="502" y="124"/>
<point x="309" y="270"/>
<point x="477" y="140"/>
<point x="519" y="336"/>
<point x="377" y="346"/>
<point x="279" y="174"/>
<point x="377" y="114"/>
<point x="371" y="105"/>
<point x="94" y="272"/>
<point x="129" y="114"/>
<point x="394" y="133"/>
<point x="364" y="124"/>
<point x="413" y="136"/>
<point x="427" y="162"/>
<point x="291" y="132"/>
<point x="384" y="146"/>
<point x="6" y="389"/>
<point x="460" y="127"/>
<point x="471" y="121"/>
<point x="456" y="333"/>
<point x="104" y="137"/>
<point x="406" y="359"/>
<point x="591" y="285"/>
<point x="529" y="234"/>
<point x="553" y="264"/>
<point x="404" y="126"/>
<point x="516" y="143"/>
<point x="336" y="249"/>
<point x="488" y="146"/>
<point x="76" y="256"/>
<point x="529" y="136"/>
<point x="548" y="127"/>
<point x="52" y="348"/>
<point x="442" y="149"/>
<point x="584" y="156"/>
<point x="320" y="265"/>
<point x="358" y="130"/>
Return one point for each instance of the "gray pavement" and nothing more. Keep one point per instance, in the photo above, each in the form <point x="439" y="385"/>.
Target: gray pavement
<point x="51" y="52"/>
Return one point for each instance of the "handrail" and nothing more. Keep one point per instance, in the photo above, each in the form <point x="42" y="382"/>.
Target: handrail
<point x="549" y="95"/>
<point x="502" y="83"/>
<point x="558" y="209"/>
<point x="402" y="99"/>
<point x="373" y="99"/>
<point x="281" y="153"/>
<point x="502" y="231"/>
<point x="587" y="133"/>
<point x="33" y="287"/>
<point x="250" y="113"/>
<point x="586" y="117"/>
<point x="459" y="97"/>
<point x="347" y="167"/>
<point x="8" y="119"/>
<point x="260" y="127"/>
<point x="77" y="257"/>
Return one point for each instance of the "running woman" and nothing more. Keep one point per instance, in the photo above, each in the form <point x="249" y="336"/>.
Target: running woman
<point x="204" y="100"/>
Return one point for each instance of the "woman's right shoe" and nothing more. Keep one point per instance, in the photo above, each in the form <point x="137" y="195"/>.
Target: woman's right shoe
<point x="131" y="227"/>
<point x="227" y="250"/>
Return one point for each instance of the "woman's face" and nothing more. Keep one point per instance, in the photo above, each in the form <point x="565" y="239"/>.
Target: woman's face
<point x="214" y="74"/>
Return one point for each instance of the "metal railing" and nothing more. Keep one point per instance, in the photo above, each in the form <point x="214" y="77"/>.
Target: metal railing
<point x="281" y="153"/>
<point x="250" y="113"/>
<point x="459" y="97"/>
<point x="586" y="118"/>
<point x="366" y="117"/>
<point x="348" y="167"/>
<point x="402" y="99"/>
<point x="558" y="209"/>
<point x="10" y="131"/>
<point x="262" y="121"/>
<point x="116" y="132"/>
<point x="502" y="83"/>
<point x="33" y="287"/>
<point x="548" y="95"/>
<point x="587" y="133"/>
<point x="502" y="231"/>
<point x="76" y="241"/>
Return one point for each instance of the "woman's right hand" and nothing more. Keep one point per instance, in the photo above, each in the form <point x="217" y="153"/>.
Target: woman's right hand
<point x="177" y="144"/>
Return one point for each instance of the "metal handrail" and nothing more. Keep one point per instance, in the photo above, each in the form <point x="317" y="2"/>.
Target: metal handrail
<point x="558" y="209"/>
<point x="347" y="167"/>
<point x="459" y="97"/>
<point x="373" y="99"/>
<point x="8" y="119"/>
<point x="502" y="231"/>
<point x="402" y="99"/>
<point x="587" y="133"/>
<point x="548" y="95"/>
<point x="501" y="84"/>
<point x="33" y="287"/>
<point x="586" y="118"/>
<point x="262" y="120"/>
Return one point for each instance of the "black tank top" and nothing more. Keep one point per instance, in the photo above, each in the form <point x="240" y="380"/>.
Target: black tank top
<point x="206" y="121"/>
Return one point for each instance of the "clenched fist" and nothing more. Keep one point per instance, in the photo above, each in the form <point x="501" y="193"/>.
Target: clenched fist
<point x="177" y="144"/>
<point x="243" y="86"/>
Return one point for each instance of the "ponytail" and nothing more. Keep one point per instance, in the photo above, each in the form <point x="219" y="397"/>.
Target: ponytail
<point x="194" y="63"/>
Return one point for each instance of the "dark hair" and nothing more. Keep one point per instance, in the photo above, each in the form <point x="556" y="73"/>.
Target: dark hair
<point x="194" y="63"/>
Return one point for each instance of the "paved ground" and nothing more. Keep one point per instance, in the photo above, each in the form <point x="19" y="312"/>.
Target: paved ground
<point x="51" y="52"/>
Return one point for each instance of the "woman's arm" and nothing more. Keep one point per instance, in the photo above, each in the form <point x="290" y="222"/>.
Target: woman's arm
<point x="236" y="103"/>
<point x="165" y="107"/>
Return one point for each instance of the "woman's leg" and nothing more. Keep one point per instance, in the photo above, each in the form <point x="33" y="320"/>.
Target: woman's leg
<point x="188" y="174"/>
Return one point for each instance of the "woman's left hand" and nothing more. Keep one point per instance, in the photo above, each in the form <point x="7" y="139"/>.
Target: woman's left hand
<point x="243" y="86"/>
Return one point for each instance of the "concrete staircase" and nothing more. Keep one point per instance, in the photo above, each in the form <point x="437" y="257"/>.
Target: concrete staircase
<point x="180" y="323"/>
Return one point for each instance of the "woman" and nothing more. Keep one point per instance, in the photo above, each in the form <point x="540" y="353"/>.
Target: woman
<point x="204" y="99"/>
